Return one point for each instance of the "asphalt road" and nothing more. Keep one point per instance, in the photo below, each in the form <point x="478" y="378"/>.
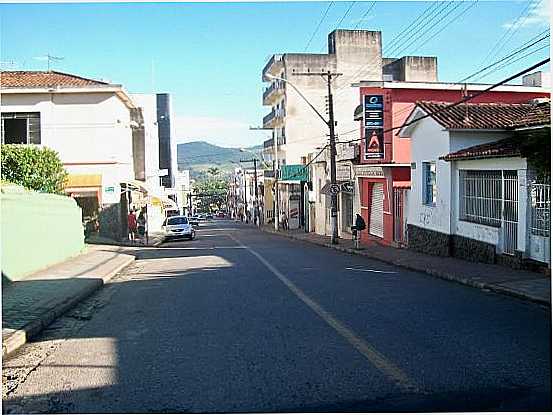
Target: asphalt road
<point x="242" y="321"/>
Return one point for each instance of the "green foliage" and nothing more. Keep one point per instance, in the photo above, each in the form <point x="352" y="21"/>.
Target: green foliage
<point x="536" y="147"/>
<point x="33" y="167"/>
<point x="212" y="193"/>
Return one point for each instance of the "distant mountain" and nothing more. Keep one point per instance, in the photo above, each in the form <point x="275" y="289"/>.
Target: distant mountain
<point x="198" y="156"/>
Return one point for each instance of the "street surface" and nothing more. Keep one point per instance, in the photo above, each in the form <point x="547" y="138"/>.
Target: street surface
<point x="242" y="321"/>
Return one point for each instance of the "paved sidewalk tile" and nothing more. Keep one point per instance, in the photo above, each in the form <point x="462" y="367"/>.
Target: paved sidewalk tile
<point x="31" y="304"/>
<point x="519" y="283"/>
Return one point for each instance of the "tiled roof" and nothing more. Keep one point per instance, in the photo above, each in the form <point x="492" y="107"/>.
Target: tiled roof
<point x="42" y="79"/>
<point x="488" y="116"/>
<point x="508" y="147"/>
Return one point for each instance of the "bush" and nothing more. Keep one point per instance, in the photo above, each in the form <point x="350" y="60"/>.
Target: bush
<point x="33" y="167"/>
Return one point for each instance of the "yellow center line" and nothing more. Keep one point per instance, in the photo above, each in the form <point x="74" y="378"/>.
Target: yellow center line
<point x="376" y="358"/>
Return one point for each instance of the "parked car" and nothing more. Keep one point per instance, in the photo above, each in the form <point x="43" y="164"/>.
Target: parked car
<point x="209" y="216"/>
<point x="194" y="220"/>
<point x="178" y="227"/>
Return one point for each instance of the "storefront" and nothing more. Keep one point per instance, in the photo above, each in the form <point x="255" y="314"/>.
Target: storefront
<point x="291" y="193"/>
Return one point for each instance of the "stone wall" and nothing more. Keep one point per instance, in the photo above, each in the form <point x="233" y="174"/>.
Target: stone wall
<point x="472" y="250"/>
<point x="427" y="241"/>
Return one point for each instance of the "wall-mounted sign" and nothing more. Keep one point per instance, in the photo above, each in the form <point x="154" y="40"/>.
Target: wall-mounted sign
<point x="345" y="151"/>
<point x="373" y="121"/>
<point x="343" y="171"/>
<point x="368" y="171"/>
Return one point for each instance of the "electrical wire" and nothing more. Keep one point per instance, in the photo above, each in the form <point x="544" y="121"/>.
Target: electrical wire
<point x="365" y="14"/>
<point x="318" y="25"/>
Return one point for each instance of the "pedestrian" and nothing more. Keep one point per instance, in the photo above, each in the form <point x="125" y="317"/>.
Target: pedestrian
<point x="131" y="221"/>
<point x="284" y="220"/>
<point x="248" y="216"/>
<point x="357" y="228"/>
<point x="142" y="225"/>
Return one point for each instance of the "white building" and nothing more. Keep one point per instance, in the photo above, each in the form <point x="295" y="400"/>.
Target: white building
<point x="88" y="122"/>
<point x="183" y="189"/>
<point x="471" y="184"/>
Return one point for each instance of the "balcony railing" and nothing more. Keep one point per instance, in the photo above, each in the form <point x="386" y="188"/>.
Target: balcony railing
<point x="273" y="116"/>
<point x="274" y="88"/>
<point x="271" y="142"/>
<point x="274" y="59"/>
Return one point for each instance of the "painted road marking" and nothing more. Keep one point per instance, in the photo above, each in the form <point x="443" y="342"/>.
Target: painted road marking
<point x="371" y="270"/>
<point x="377" y="359"/>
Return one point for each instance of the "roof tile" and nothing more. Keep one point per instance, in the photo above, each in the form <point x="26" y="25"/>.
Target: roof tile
<point x="42" y="79"/>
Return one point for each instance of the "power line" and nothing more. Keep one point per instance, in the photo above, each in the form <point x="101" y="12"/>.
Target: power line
<point x="342" y="19"/>
<point x="414" y="22"/>
<point x="405" y="48"/>
<point x="417" y="29"/>
<point x="509" y="29"/>
<point x="318" y="25"/>
<point x="365" y="14"/>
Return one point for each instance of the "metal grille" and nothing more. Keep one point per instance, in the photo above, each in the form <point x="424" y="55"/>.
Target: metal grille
<point x="540" y="197"/>
<point x="481" y="196"/>
<point x="399" y="222"/>
<point x="510" y="211"/>
<point x="490" y="197"/>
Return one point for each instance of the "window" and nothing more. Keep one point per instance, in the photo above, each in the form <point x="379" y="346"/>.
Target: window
<point x="178" y="220"/>
<point x="480" y="196"/>
<point x="429" y="183"/>
<point x="21" y="128"/>
<point x="540" y="199"/>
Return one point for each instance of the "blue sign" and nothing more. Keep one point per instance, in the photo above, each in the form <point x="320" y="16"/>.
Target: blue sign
<point x="374" y="126"/>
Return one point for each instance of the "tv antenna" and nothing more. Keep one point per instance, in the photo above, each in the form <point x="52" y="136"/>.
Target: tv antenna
<point x="49" y="58"/>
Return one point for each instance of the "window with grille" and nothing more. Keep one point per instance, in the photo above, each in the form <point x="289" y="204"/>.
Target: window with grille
<point x="540" y="198"/>
<point x="481" y="194"/>
<point x="21" y="128"/>
<point x="429" y="183"/>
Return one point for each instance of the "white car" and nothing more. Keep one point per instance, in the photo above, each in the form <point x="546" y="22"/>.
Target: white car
<point x="178" y="227"/>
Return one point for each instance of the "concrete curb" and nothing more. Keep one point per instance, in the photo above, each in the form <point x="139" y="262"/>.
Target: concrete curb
<point x="434" y="273"/>
<point x="19" y="337"/>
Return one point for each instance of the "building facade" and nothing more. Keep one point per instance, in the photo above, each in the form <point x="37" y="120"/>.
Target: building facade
<point x="474" y="192"/>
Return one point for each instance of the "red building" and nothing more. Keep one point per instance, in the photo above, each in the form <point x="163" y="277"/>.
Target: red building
<point x="384" y="172"/>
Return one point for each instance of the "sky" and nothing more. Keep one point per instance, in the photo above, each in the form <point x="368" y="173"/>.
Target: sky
<point x="209" y="56"/>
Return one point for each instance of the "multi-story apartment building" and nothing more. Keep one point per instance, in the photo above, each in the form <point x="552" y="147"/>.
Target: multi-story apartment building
<point x="354" y="55"/>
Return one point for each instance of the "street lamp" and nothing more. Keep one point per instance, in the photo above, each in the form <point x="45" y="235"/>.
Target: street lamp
<point x="330" y="124"/>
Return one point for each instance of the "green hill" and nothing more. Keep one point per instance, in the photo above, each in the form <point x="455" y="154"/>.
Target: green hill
<point x="198" y="156"/>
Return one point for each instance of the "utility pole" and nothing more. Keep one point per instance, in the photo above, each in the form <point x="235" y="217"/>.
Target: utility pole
<point x="256" y="201"/>
<point x="331" y="124"/>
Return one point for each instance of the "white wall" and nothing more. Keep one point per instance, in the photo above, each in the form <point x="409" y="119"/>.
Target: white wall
<point x="151" y="138"/>
<point x="428" y="143"/>
<point x="82" y="128"/>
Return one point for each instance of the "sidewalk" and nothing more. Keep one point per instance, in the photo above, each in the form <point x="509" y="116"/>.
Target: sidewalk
<point x="518" y="283"/>
<point x="154" y="239"/>
<point x="30" y="305"/>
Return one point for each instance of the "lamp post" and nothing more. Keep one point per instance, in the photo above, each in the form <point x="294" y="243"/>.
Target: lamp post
<point x="330" y="124"/>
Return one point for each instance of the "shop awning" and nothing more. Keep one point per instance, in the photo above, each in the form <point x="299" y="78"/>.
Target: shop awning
<point x="84" y="180"/>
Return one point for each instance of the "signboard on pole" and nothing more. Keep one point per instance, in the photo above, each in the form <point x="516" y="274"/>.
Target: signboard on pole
<point x="373" y="122"/>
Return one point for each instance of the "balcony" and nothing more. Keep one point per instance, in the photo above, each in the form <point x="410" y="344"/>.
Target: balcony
<point x="274" y="65"/>
<point x="270" y="143"/>
<point x="273" y="92"/>
<point x="274" y="118"/>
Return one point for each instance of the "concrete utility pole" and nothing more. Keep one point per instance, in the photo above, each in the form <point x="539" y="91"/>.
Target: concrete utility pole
<point x="256" y="200"/>
<point x="330" y="124"/>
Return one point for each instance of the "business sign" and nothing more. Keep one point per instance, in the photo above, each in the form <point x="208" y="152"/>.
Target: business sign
<point x="373" y="121"/>
<point x="343" y="172"/>
<point x="345" y="151"/>
<point x="347" y="187"/>
<point x="368" y="171"/>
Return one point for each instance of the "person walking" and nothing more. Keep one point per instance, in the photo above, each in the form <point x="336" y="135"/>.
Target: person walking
<point x="357" y="228"/>
<point x="143" y="226"/>
<point x="131" y="222"/>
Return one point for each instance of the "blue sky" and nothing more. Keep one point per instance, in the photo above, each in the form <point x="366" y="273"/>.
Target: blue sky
<point x="209" y="56"/>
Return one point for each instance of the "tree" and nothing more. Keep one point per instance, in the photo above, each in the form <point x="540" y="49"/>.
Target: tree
<point x="213" y="171"/>
<point x="212" y="193"/>
<point x="33" y="167"/>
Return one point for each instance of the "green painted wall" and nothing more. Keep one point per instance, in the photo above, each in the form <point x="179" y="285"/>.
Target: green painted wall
<point x="37" y="230"/>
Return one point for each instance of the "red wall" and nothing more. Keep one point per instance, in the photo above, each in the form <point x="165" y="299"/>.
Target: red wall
<point x="398" y="103"/>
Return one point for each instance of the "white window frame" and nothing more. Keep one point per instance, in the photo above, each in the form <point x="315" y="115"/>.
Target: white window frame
<point x="426" y="169"/>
